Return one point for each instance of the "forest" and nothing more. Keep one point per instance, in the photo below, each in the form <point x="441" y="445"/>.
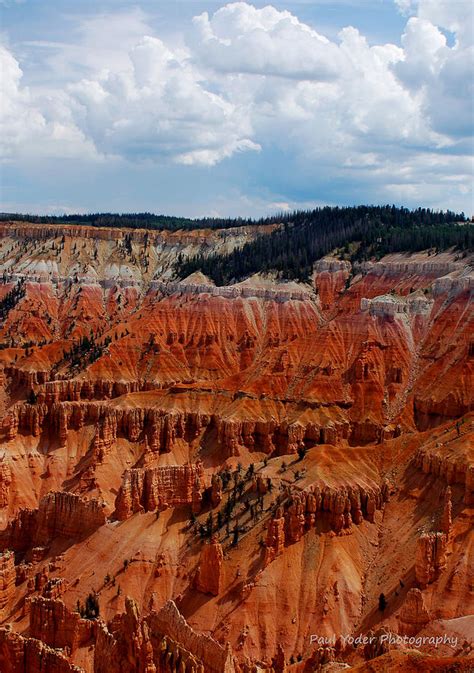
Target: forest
<point x="357" y="233"/>
<point x="137" y="221"/>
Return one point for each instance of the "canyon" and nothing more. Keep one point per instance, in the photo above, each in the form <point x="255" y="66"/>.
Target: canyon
<point x="232" y="479"/>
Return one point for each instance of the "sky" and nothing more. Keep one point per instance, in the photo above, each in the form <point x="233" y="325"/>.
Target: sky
<point x="202" y="108"/>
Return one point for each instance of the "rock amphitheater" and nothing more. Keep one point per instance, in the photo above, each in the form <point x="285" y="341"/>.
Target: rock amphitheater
<point x="218" y="479"/>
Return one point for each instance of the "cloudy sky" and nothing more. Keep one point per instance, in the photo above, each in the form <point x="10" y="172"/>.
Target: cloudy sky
<point x="198" y="107"/>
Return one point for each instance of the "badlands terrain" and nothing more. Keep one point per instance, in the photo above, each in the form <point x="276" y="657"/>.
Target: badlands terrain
<point x="233" y="479"/>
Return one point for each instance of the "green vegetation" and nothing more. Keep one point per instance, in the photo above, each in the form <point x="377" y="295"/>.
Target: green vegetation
<point x="32" y="397"/>
<point x="359" y="233"/>
<point x="85" y="351"/>
<point x="135" y="221"/>
<point x="90" y="609"/>
<point x="11" y="299"/>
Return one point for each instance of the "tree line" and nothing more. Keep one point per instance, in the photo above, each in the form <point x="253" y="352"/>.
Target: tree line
<point x="137" y="221"/>
<point x="358" y="233"/>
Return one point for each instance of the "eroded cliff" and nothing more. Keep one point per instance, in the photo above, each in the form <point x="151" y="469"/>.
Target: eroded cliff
<point x="222" y="473"/>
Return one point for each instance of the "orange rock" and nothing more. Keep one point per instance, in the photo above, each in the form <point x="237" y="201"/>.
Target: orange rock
<point x="5" y="480"/>
<point x="447" y="517"/>
<point x="52" y="623"/>
<point x="345" y="373"/>
<point x="413" y="615"/>
<point x="275" y="541"/>
<point x="27" y="655"/>
<point x="159" y="640"/>
<point x="430" y="557"/>
<point x="210" y="573"/>
<point x="216" y="490"/>
<point x="59" y="515"/>
<point x="145" y="490"/>
<point x="7" y="580"/>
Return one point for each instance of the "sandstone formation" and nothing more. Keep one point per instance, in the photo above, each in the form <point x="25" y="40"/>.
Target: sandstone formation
<point x="447" y="516"/>
<point x="162" y="642"/>
<point x="27" y="655"/>
<point x="7" y="581"/>
<point x="469" y="486"/>
<point x="161" y="426"/>
<point x="454" y="469"/>
<point x="228" y="470"/>
<point x="52" y="623"/>
<point x="64" y="515"/>
<point x="211" y="568"/>
<point x="413" y="615"/>
<point x="54" y="587"/>
<point x="430" y="557"/>
<point x="216" y="490"/>
<point x="146" y="490"/>
<point x="5" y="480"/>
<point x="59" y="515"/>
<point x="275" y="540"/>
<point x="336" y="509"/>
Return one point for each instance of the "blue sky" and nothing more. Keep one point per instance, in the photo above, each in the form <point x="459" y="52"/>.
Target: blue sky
<point x="207" y="108"/>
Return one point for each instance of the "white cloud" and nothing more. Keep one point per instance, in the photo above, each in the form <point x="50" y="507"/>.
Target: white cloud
<point x="159" y="108"/>
<point x="245" y="79"/>
<point x="441" y="75"/>
<point x="98" y="43"/>
<point x="31" y="127"/>
<point x="239" y="38"/>
<point x="17" y="118"/>
<point x="456" y="16"/>
<point x="405" y="6"/>
<point x="453" y="15"/>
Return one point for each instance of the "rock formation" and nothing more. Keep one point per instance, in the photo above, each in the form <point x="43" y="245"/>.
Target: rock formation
<point x="64" y="515"/>
<point x="7" y="580"/>
<point x="146" y="490"/>
<point x="5" y="480"/>
<point x="275" y="541"/>
<point x="469" y="486"/>
<point x="430" y="557"/>
<point x="52" y="623"/>
<point x="216" y="490"/>
<point x="161" y="642"/>
<point x="286" y="412"/>
<point x="27" y="655"/>
<point x="59" y="515"/>
<point x="322" y="506"/>
<point x="447" y="516"/>
<point x="413" y="615"/>
<point x="210" y="572"/>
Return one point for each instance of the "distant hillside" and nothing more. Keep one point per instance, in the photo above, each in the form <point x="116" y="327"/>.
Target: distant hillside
<point x="360" y="232"/>
<point x="138" y="221"/>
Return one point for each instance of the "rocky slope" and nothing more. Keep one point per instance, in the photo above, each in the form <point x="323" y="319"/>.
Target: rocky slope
<point x="232" y="476"/>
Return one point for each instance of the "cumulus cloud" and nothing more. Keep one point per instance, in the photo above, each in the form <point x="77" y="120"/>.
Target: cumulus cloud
<point x="456" y="16"/>
<point x="27" y="126"/>
<point x="160" y="108"/>
<point x="441" y="75"/>
<point x="453" y="15"/>
<point x="239" y="38"/>
<point x="245" y="79"/>
<point x="18" y="119"/>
